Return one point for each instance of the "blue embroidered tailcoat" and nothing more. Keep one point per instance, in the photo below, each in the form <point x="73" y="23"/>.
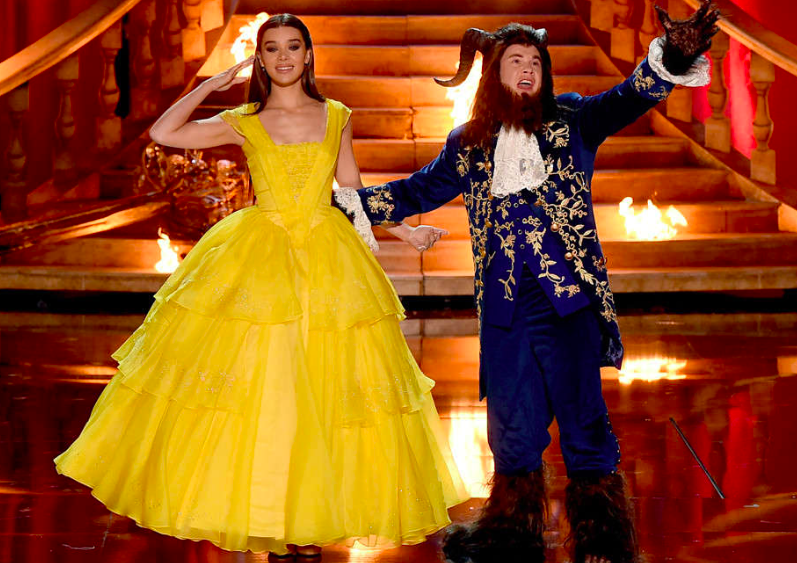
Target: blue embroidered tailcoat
<point x="550" y="228"/>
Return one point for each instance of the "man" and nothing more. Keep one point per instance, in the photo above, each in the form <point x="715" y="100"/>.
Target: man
<point x="523" y="165"/>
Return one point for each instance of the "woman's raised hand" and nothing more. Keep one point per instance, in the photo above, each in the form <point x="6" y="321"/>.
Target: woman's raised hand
<point x="227" y="79"/>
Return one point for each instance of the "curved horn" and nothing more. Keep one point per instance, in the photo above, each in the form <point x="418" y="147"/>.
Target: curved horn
<point x="473" y="40"/>
<point x="541" y="35"/>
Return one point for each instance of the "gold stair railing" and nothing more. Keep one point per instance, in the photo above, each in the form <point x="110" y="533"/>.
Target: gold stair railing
<point x="101" y="79"/>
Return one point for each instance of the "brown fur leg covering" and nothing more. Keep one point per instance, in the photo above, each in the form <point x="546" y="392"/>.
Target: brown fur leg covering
<point x="510" y="527"/>
<point x="601" y="520"/>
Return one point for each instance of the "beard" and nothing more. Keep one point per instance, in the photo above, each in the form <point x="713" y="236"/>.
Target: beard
<point x="519" y="111"/>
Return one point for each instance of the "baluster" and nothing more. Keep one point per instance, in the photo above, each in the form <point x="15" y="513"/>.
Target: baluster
<point x="143" y="95"/>
<point x="649" y="29"/>
<point x="108" y="124"/>
<point x="212" y="14"/>
<point x="14" y="189"/>
<point x="193" y="34"/>
<point x="66" y="76"/>
<point x="679" y="103"/>
<point x="718" y="126"/>
<point x="601" y="15"/>
<point x="623" y="37"/>
<point x="762" y="162"/>
<point x="172" y="64"/>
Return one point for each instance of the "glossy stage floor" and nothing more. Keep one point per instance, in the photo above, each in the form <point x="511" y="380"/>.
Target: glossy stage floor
<point x="728" y="379"/>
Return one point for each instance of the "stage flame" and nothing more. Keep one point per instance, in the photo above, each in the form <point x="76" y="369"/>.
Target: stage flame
<point x="170" y="258"/>
<point x="244" y="44"/>
<point x="651" y="369"/>
<point x="463" y="95"/>
<point x="648" y="223"/>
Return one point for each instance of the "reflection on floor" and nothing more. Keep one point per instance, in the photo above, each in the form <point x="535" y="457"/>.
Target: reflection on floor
<point x="728" y="379"/>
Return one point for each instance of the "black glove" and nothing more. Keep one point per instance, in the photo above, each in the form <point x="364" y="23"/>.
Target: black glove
<point x="687" y="39"/>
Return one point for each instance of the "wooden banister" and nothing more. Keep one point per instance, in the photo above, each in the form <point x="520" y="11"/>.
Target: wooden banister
<point x="62" y="42"/>
<point x="747" y="31"/>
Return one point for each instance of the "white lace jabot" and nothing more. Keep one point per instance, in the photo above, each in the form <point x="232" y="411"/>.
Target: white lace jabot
<point x="518" y="163"/>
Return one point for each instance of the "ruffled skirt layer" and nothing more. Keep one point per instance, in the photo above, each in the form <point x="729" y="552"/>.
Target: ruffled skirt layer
<point x="269" y="398"/>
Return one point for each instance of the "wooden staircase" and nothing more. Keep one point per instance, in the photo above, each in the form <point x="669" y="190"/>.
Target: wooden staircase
<point x="381" y="65"/>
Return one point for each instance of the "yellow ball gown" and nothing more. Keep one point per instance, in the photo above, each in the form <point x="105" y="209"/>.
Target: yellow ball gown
<point x="269" y="397"/>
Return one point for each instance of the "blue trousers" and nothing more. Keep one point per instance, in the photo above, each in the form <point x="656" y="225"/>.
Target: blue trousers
<point x="545" y="366"/>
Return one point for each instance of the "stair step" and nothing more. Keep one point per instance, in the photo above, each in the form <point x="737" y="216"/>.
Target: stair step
<point x="98" y="251"/>
<point x="687" y="251"/>
<point x="705" y="250"/>
<point x="437" y="282"/>
<point x="642" y="151"/>
<point x="608" y="186"/>
<point x="619" y="152"/>
<point x="648" y="280"/>
<point x="704" y="217"/>
<point x="659" y="184"/>
<point x="388" y="159"/>
<point x="436" y="121"/>
<point x="404" y="91"/>
<point x="351" y="31"/>
<point x="448" y="28"/>
<point x="377" y="7"/>
<point x="425" y="92"/>
<point x="717" y="278"/>
<point x="431" y="60"/>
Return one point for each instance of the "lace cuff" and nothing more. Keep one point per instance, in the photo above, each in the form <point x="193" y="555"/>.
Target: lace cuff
<point x="698" y="75"/>
<point x="349" y="201"/>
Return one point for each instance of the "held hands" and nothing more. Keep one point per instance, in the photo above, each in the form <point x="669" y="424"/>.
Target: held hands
<point x="227" y="79"/>
<point x="423" y="237"/>
<point x="687" y="39"/>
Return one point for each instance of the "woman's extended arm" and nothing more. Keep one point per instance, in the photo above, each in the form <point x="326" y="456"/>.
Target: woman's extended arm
<point x="347" y="174"/>
<point x="174" y="130"/>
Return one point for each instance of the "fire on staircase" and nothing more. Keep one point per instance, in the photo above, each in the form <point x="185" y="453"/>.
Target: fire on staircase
<point x="650" y="224"/>
<point x="463" y="95"/>
<point x="244" y="44"/>
<point x="170" y="258"/>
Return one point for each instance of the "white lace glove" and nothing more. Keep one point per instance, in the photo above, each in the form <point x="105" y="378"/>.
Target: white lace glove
<point x="349" y="201"/>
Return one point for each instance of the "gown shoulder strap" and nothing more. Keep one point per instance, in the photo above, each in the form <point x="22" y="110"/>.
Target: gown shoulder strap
<point x="237" y="116"/>
<point x="340" y="114"/>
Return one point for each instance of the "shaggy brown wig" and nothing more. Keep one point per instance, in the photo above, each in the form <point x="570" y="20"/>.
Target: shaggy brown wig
<point x="495" y="104"/>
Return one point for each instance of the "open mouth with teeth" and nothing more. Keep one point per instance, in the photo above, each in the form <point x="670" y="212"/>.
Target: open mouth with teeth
<point x="284" y="68"/>
<point x="525" y="85"/>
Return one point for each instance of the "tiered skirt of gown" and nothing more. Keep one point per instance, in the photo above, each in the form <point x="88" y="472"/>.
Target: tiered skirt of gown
<point x="270" y="397"/>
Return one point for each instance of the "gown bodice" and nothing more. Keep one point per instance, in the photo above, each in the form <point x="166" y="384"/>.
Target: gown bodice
<point x="293" y="180"/>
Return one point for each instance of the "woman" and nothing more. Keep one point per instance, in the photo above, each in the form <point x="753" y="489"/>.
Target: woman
<point x="269" y="399"/>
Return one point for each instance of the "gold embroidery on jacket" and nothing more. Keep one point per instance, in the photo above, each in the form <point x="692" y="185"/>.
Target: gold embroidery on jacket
<point x="534" y="238"/>
<point x="557" y="133"/>
<point x="643" y="83"/>
<point x="564" y="214"/>
<point x="505" y="231"/>
<point x="477" y="201"/>
<point x="381" y="201"/>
